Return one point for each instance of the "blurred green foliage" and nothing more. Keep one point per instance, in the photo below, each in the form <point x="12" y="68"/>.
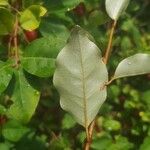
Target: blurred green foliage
<point x="123" y="122"/>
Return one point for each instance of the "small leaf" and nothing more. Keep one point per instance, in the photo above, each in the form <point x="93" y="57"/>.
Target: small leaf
<point x="42" y="11"/>
<point x="97" y="18"/>
<point x="6" y="22"/>
<point x="5" y="146"/>
<point x="39" y="66"/>
<point x="4" y="3"/>
<point x="68" y="122"/>
<point x="38" y="58"/>
<point x="2" y="110"/>
<point x="70" y="4"/>
<point x="80" y="72"/>
<point x="101" y="143"/>
<point x="13" y="131"/>
<point x="111" y="125"/>
<point x="31" y="17"/>
<point x="61" y="143"/>
<point x="5" y="75"/>
<point x="24" y="97"/>
<point x="133" y="65"/>
<point x="145" y="145"/>
<point x="61" y="6"/>
<point x="115" y="8"/>
<point x="121" y="143"/>
<point x="57" y="31"/>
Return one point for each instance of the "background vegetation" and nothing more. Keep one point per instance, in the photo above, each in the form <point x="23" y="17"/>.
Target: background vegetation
<point x="123" y="122"/>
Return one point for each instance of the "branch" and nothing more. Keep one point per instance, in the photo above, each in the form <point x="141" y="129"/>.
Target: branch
<point x="108" y="50"/>
<point x="89" y="131"/>
<point x="89" y="137"/>
<point x="16" y="42"/>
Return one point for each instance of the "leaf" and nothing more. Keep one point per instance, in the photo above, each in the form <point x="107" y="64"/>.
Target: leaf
<point x="98" y="17"/>
<point x="68" y="122"/>
<point x="111" y="125"/>
<point x="14" y="131"/>
<point x="80" y="72"/>
<point x="2" y="110"/>
<point x="5" y="75"/>
<point x="133" y="65"/>
<point x="101" y="143"/>
<point x="31" y="17"/>
<point x="6" y="22"/>
<point x="32" y="142"/>
<point x="38" y="58"/>
<point x="57" y="6"/>
<point x="24" y="97"/>
<point x="71" y="4"/>
<point x="115" y="8"/>
<point x="39" y="66"/>
<point x="52" y="29"/>
<point x="121" y="143"/>
<point x="145" y="145"/>
<point x="27" y="3"/>
<point x="61" y="143"/>
<point x="5" y="146"/>
<point x="45" y="47"/>
<point x="4" y="3"/>
<point x="3" y="52"/>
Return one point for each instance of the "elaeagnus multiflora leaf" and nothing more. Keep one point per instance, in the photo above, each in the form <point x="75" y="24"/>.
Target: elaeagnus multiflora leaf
<point x="80" y="73"/>
<point x="133" y="65"/>
<point x="115" y="8"/>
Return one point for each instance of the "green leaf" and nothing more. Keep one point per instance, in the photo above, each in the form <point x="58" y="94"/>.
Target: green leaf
<point x="52" y="29"/>
<point x="32" y="142"/>
<point x="14" y="131"/>
<point x="80" y="72"/>
<point x="61" y="6"/>
<point x="71" y="4"/>
<point x="24" y="97"/>
<point x="39" y="56"/>
<point x="2" y="110"/>
<point x="5" y="146"/>
<point x="31" y="17"/>
<point x="4" y="3"/>
<point x="97" y="18"/>
<point x="133" y="65"/>
<point x="145" y="97"/>
<point x="112" y="125"/>
<point x="6" y="22"/>
<point x="27" y="3"/>
<point x="45" y="47"/>
<point x="3" y="52"/>
<point x="101" y="143"/>
<point x="115" y="8"/>
<point x="61" y="143"/>
<point x="121" y="143"/>
<point x="5" y="75"/>
<point x="39" y="66"/>
<point x="68" y="122"/>
<point x="146" y="144"/>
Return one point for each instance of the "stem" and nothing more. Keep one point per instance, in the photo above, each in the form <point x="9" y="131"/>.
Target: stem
<point x="89" y="133"/>
<point x="108" y="50"/>
<point x="15" y="42"/>
<point x="105" y="59"/>
<point x="9" y="46"/>
<point x="13" y="8"/>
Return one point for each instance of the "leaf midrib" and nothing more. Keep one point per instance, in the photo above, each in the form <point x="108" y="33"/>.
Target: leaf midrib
<point x="46" y="58"/>
<point x="83" y="84"/>
<point x="3" y="67"/>
<point x="20" y="88"/>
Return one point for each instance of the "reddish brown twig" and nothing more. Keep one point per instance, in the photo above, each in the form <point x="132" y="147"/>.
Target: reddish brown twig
<point x="108" y="50"/>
